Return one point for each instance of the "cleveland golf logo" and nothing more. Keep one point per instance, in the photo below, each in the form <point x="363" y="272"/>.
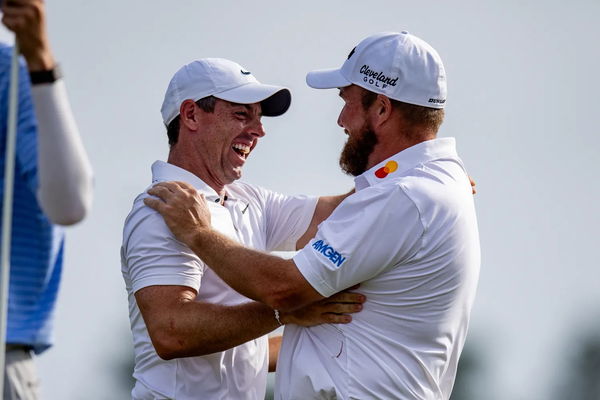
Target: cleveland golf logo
<point x="377" y="78"/>
<point x="388" y="168"/>
<point x="328" y="251"/>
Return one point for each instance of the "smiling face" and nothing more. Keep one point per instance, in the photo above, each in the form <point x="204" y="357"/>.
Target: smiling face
<point x="224" y="140"/>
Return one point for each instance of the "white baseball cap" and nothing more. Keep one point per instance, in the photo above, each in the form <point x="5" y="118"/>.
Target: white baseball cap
<point x="398" y="65"/>
<point x="225" y="80"/>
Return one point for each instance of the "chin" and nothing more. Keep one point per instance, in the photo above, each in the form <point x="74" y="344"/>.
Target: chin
<point x="234" y="176"/>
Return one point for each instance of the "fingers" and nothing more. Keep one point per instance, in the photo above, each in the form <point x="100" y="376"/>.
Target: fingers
<point x="168" y="186"/>
<point x="154" y="203"/>
<point x="473" y="184"/>
<point x="346" y="297"/>
<point x="167" y="191"/>
<point x="160" y="191"/>
<point x="177" y="186"/>
<point x="336" y="319"/>
<point x="18" y="15"/>
<point x="342" y="308"/>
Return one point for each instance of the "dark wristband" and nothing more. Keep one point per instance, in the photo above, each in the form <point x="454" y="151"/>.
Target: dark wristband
<point x="45" y="76"/>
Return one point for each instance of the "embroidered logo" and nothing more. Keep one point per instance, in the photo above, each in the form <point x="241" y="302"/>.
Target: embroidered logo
<point x="437" y="101"/>
<point x="351" y="53"/>
<point x="377" y="78"/>
<point x="388" y="168"/>
<point x="329" y="252"/>
<point x="245" y="72"/>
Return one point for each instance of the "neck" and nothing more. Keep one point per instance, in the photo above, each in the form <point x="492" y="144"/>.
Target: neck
<point x="389" y="144"/>
<point x="196" y="166"/>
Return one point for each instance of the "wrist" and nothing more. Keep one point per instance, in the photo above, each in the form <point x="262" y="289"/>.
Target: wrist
<point x="39" y="61"/>
<point x="45" y="76"/>
<point x="284" y="317"/>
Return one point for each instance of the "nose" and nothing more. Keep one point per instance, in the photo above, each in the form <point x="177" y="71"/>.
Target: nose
<point x="256" y="129"/>
<point x="339" y="120"/>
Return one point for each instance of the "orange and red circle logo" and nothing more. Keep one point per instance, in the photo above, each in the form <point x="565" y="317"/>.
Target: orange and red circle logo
<point x="388" y="168"/>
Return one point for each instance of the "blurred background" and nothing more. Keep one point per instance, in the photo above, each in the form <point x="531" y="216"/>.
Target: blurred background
<point x="523" y="92"/>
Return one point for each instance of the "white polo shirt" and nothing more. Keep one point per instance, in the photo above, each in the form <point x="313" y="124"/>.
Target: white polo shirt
<point x="150" y="255"/>
<point x="409" y="237"/>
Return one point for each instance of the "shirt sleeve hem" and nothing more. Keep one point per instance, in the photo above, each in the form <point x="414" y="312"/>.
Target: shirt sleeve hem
<point x="304" y="266"/>
<point x="165" y="281"/>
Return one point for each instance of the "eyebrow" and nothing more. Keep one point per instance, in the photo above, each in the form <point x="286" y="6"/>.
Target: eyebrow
<point x="247" y="107"/>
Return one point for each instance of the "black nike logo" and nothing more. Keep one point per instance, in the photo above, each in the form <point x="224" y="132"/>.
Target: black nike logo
<point x="245" y="72"/>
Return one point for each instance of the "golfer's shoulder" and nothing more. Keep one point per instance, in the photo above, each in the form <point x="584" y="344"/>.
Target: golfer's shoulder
<point x="143" y="217"/>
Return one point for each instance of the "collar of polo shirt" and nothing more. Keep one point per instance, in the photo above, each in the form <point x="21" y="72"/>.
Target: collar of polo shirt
<point x="160" y="174"/>
<point x="406" y="159"/>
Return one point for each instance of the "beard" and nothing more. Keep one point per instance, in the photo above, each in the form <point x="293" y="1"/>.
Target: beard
<point x="355" y="154"/>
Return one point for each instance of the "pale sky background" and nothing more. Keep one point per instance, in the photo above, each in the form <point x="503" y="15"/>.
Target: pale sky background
<point x="522" y="104"/>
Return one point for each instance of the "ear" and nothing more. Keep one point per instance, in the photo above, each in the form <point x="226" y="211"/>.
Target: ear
<point x="381" y="110"/>
<point x="188" y="115"/>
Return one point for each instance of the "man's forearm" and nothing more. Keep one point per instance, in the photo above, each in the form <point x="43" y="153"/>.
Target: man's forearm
<point x="259" y="276"/>
<point x="197" y="329"/>
<point x="179" y="326"/>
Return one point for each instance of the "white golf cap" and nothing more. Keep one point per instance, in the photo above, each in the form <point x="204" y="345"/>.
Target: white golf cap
<point x="398" y="65"/>
<point x="225" y="80"/>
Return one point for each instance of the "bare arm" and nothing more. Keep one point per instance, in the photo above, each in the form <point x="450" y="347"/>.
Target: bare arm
<point x="325" y="206"/>
<point x="181" y="327"/>
<point x="269" y="279"/>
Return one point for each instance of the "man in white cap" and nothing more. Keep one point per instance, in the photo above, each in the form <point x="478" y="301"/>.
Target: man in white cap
<point x="194" y="336"/>
<point x="408" y="235"/>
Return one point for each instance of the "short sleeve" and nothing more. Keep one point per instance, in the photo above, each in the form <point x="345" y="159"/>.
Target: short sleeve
<point x="287" y="218"/>
<point x="368" y="233"/>
<point x="153" y="256"/>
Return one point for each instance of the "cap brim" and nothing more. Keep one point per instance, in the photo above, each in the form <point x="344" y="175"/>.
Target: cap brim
<point x="327" y="79"/>
<point x="274" y="100"/>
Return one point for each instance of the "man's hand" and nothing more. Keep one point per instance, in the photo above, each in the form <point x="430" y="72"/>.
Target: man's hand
<point x="27" y="19"/>
<point x="332" y="310"/>
<point x="184" y="209"/>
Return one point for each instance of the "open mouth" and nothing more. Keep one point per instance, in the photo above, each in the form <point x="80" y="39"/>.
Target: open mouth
<point x="242" y="149"/>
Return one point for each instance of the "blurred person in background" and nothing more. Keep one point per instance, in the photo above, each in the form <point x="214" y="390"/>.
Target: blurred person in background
<point x="53" y="187"/>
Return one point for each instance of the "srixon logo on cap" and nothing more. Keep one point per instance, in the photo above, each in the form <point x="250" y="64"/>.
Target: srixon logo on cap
<point x="329" y="252"/>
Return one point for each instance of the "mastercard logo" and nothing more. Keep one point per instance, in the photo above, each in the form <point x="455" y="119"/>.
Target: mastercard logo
<point x="388" y="168"/>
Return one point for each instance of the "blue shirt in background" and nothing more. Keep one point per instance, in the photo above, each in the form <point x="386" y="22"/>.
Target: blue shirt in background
<point x="37" y="245"/>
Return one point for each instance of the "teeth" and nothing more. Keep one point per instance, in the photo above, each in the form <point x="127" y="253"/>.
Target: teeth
<point x="242" y="148"/>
